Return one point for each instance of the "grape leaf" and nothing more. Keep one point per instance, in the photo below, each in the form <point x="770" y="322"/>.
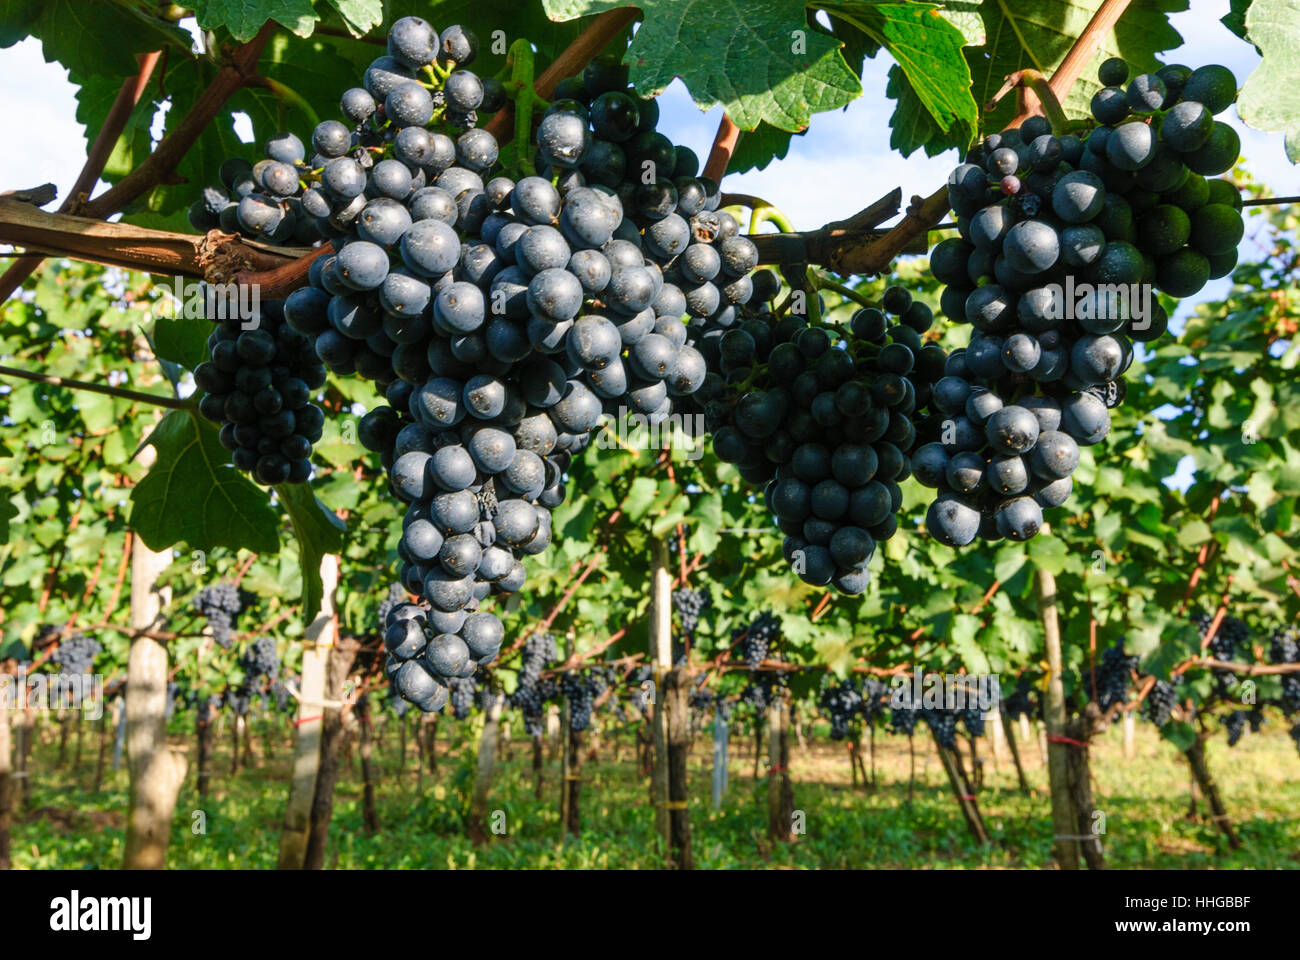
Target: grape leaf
<point x="1235" y="18"/>
<point x="319" y="531"/>
<point x="912" y="126"/>
<point x="361" y="16"/>
<point x="928" y="51"/>
<point x="1270" y="98"/>
<point x="77" y="34"/>
<point x="766" y="65"/>
<point x="181" y="341"/>
<point x="243" y="18"/>
<point x="1037" y="34"/>
<point x="756" y="148"/>
<point x="95" y="97"/>
<point x="193" y="494"/>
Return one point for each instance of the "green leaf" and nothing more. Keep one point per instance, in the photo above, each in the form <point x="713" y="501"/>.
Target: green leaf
<point x="193" y="494"/>
<point x="1037" y="34"/>
<point x="933" y="78"/>
<point x="93" y="39"/>
<point x="1270" y="98"/>
<point x="319" y="531"/>
<point x="181" y="341"/>
<point x="912" y="127"/>
<point x="7" y="512"/>
<point x="243" y="18"/>
<point x="640" y="498"/>
<point x="1193" y="534"/>
<point x="361" y="16"/>
<point x="95" y="97"/>
<point x="1235" y="18"/>
<point x="766" y="65"/>
<point x="756" y="148"/>
<point x="1180" y="733"/>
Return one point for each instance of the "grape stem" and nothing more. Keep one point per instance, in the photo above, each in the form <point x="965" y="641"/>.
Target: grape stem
<point x="1035" y="81"/>
<point x="823" y="282"/>
<point x="171" y="403"/>
<point x="766" y="213"/>
<point x="522" y="67"/>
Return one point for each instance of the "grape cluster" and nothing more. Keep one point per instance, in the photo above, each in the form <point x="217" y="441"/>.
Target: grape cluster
<point x="1021" y="701"/>
<point x="257" y="383"/>
<point x="428" y="647"/>
<point x="759" y="640"/>
<point x="395" y="597"/>
<point x="1160" y="702"/>
<point x="581" y="688"/>
<point x="1061" y="240"/>
<point x="689" y="605"/>
<point x="943" y="723"/>
<point x="1113" y="676"/>
<point x="1284" y="647"/>
<point x="532" y="691"/>
<point x="827" y="421"/>
<point x="219" y="604"/>
<point x="501" y="319"/>
<point x="76" y="655"/>
<point x="261" y="665"/>
<point x="462" y="696"/>
<point x="972" y="719"/>
<point x="763" y="689"/>
<point x="1232" y="637"/>
<point x="263" y="200"/>
<point x="1235" y="724"/>
<point x="875" y="698"/>
<point x="842" y="701"/>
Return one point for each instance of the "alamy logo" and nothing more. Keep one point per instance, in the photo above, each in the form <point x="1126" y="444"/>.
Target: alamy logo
<point x="1101" y="301"/>
<point x="195" y="300"/>
<point x="75" y="914"/>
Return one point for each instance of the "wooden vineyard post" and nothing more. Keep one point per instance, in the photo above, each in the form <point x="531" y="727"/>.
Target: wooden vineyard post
<point x="203" y="733"/>
<point x="369" y="815"/>
<point x="780" y="793"/>
<point x="156" y="771"/>
<point x="8" y="695"/>
<point x="1009" y="730"/>
<point x="661" y="654"/>
<point x="102" y="757"/>
<point x="1129" y="723"/>
<point x="1078" y="730"/>
<point x="539" y="750"/>
<point x="341" y="657"/>
<point x="997" y="738"/>
<point x="1064" y="818"/>
<point x="1201" y="773"/>
<point x="487" y="758"/>
<point x="571" y="774"/>
<point x="317" y="642"/>
<point x="970" y="811"/>
<point x="719" y="758"/>
<point x="676" y="700"/>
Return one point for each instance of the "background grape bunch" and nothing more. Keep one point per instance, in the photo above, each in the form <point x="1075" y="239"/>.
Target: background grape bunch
<point x="220" y="603"/>
<point x="826" y="419"/>
<point x="257" y="384"/>
<point x="1126" y="204"/>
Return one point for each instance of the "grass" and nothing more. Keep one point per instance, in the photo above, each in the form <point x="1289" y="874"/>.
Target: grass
<point x="1144" y="800"/>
